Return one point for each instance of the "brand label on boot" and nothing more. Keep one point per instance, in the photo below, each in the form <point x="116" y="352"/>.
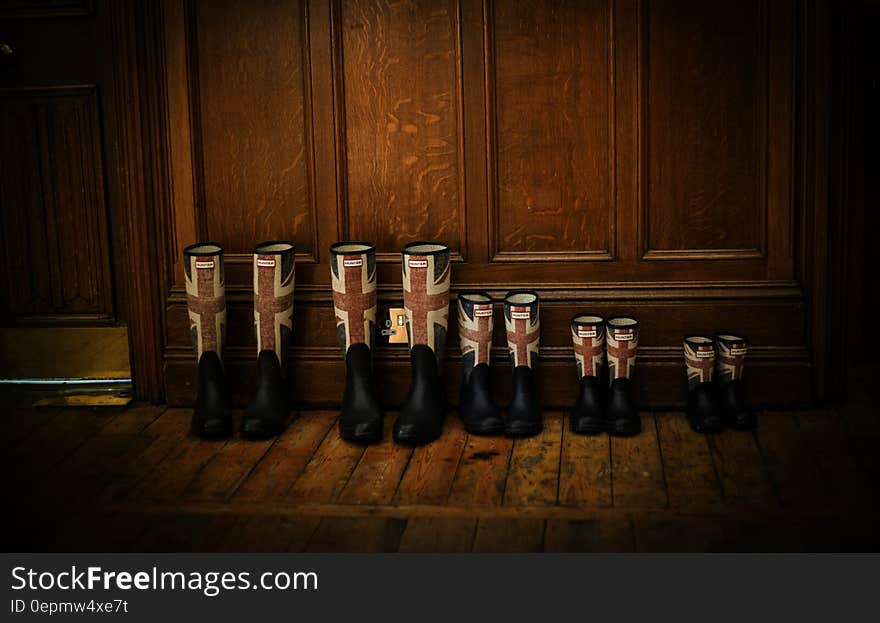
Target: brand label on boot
<point x="413" y="263"/>
<point x="204" y="263"/>
<point x="625" y="335"/>
<point x="703" y="353"/>
<point x="739" y="350"/>
<point x="482" y="311"/>
<point x="520" y="315"/>
<point x="352" y="262"/>
<point x="586" y="331"/>
<point x="267" y="262"/>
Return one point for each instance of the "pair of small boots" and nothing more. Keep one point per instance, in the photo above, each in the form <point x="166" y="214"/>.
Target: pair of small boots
<point x="605" y="407"/>
<point x="479" y="413"/>
<point x="426" y="280"/>
<point x="716" y="395"/>
<point x="274" y="267"/>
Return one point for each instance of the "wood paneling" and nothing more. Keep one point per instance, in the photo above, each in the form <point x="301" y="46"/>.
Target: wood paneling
<point x="552" y="124"/>
<point x="705" y="116"/>
<point x="402" y="123"/>
<point x="252" y="125"/>
<point x="533" y="137"/>
<point x="54" y="222"/>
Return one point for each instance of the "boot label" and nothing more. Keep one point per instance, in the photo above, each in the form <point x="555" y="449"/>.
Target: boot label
<point x="739" y="350"/>
<point x="586" y="331"/>
<point x="413" y="263"/>
<point x="520" y="315"/>
<point x="204" y="263"/>
<point x="352" y="262"/>
<point x="482" y="311"/>
<point x="267" y="262"/>
<point x="704" y="352"/>
<point x="623" y="336"/>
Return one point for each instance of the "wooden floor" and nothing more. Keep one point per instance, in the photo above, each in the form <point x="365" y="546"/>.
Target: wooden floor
<point x="119" y="479"/>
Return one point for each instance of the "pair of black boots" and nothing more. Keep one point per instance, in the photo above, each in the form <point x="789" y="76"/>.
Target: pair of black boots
<point x="717" y="398"/>
<point x="480" y="414"/>
<point x="602" y="408"/>
<point x="266" y="414"/>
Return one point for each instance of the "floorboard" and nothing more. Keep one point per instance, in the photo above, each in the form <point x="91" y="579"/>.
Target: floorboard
<point x="134" y="479"/>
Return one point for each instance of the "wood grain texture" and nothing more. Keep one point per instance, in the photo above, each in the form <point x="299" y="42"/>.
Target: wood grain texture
<point x="54" y="220"/>
<point x="585" y="470"/>
<point x="430" y="534"/>
<point x="431" y="469"/>
<point x="691" y="481"/>
<point x="251" y="81"/>
<point x="534" y="466"/>
<point x="637" y="470"/>
<point x="482" y="473"/>
<point x="552" y="126"/>
<point x="706" y="134"/>
<point x="741" y="470"/>
<point x="402" y="122"/>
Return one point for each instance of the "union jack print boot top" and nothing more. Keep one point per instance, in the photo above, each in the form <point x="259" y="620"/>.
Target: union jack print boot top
<point x="523" y="324"/>
<point x="730" y="357"/>
<point x="478" y="412"/>
<point x="426" y="281"/>
<point x="353" y="271"/>
<point x="274" y="271"/>
<point x="206" y="305"/>
<point x="621" y="344"/>
<point x="588" y="338"/>
<point x="703" y="412"/>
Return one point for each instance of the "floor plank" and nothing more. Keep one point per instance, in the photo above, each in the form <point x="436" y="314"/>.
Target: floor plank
<point x="793" y="469"/>
<point x="226" y="470"/>
<point x="585" y="470"/>
<point x="589" y="535"/>
<point x="480" y="478"/>
<point x="636" y="469"/>
<point x="428" y="477"/>
<point x="269" y="534"/>
<point x="438" y="534"/>
<point x="840" y="475"/>
<point x="274" y="475"/>
<point x="377" y="475"/>
<point x="682" y="534"/>
<point x="533" y="477"/>
<point x="740" y="467"/>
<point x="327" y="472"/>
<point x="691" y="481"/>
<point x="357" y="534"/>
<point x="509" y="535"/>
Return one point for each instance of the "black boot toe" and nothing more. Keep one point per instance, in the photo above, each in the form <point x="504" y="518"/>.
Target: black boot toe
<point x="623" y="412"/>
<point x="704" y="414"/>
<point x="738" y="414"/>
<point x="423" y="410"/>
<point x="212" y="416"/>
<point x="266" y="415"/>
<point x="478" y="412"/>
<point x="361" y="418"/>
<point x="586" y="416"/>
<point x="524" y="413"/>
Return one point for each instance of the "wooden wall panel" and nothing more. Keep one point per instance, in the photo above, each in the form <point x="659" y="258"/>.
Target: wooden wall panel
<point x="553" y="129"/>
<point x="253" y="143"/>
<point x="533" y="137"/>
<point x="402" y="118"/>
<point x="706" y="116"/>
<point x="54" y="222"/>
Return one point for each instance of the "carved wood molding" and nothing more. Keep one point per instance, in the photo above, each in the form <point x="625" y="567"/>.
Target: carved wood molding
<point x="140" y="184"/>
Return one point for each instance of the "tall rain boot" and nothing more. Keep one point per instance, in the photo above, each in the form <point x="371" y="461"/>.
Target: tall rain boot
<point x="730" y="358"/>
<point x="588" y="338"/>
<point x="621" y="345"/>
<point x="206" y="304"/>
<point x="703" y="412"/>
<point x="353" y="272"/>
<point x="523" y="324"/>
<point x="426" y="281"/>
<point x="274" y="276"/>
<point x="478" y="412"/>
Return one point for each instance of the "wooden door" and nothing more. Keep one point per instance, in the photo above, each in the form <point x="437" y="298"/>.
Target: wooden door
<point x="618" y="156"/>
<point x="76" y="247"/>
